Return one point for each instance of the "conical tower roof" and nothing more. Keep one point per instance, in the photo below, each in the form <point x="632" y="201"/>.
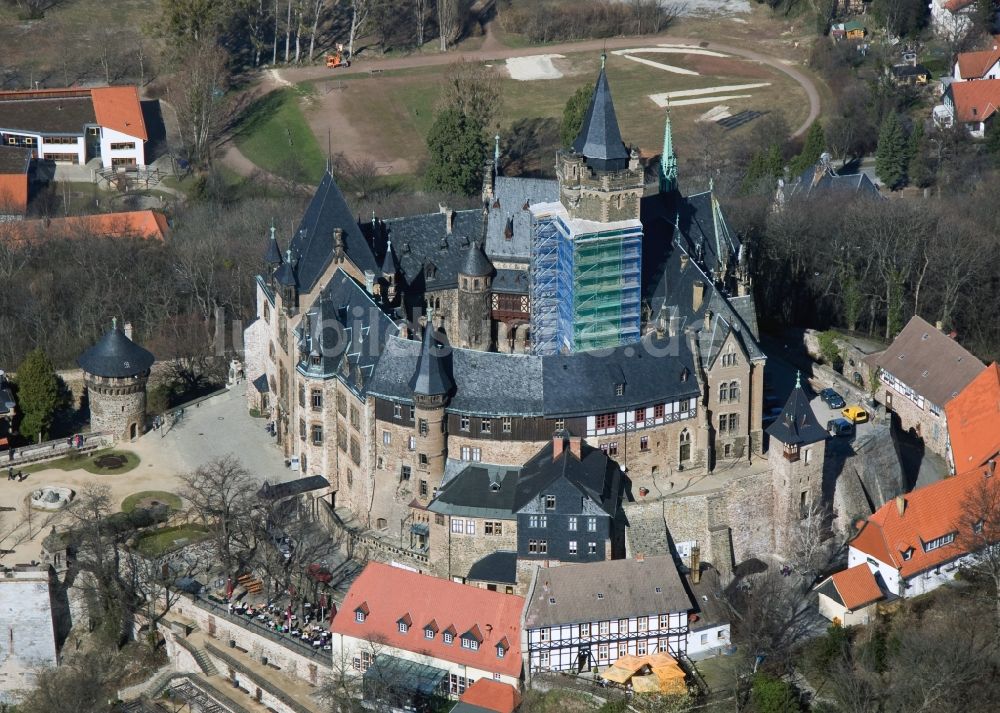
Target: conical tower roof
<point x="668" y="159"/>
<point x="389" y="264"/>
<point x="431" y="377"/>
<point x="600" y="139"/>
<point x="475" y="263"/>
<point x="273" y="254"/>
<point x="797" y="424"/>
<point x="285" y="274"/>
<point x="115" y="356"/>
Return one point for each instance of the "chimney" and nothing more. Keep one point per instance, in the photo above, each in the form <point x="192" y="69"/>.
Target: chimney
<point x="558" y="442"/>
<point x="900" y="505"/>
<point x="708" y="318"/>
<point x="449" y="217"/>
<point x="128" y="330"/>
<point x="939" y="326"/>
<point x="698" y="294"/>
<point x="695" y="564"/>
<point x="575" y="446"/>
<point x="370" y="282"/>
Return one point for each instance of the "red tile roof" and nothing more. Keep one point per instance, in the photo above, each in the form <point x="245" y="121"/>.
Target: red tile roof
<point x="857" y="586"/>
<point x="390" y="593"/>
<point x="13" y="193"/>
<point x="493" y="695"/>
<point x="956" y="5"/>
<point x="148" y="224"/>
<point x="118" y="108"/>
<point x="974" y="420"/>
<point x="929" y="513"/>
<point x="975" y="64"/>
<point x="975" y="101"/>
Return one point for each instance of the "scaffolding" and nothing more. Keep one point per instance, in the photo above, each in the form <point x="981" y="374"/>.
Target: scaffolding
<point x="585" y="288"/>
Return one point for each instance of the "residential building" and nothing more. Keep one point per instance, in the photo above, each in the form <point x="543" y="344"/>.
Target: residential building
<point x="850" y="30"/>
<point x="972" y="104"/>
<point x="137" y="224"/>
<point x="974" y="422"/>
<point x="912" y="544"/>
<point x="910" y="74"/>
<point x="15" y="167"/>
<point x="708" y="622"/>
<point x="426" y="634"/>
<point x="76" y="125"/>
<point x="952" y="19"/>
<point x="851" y="596"/>
<point x="583" y="616"/>
<point x="984" y="64"/>
<point x="921" y="371"/>
<point x="822" y="180"/>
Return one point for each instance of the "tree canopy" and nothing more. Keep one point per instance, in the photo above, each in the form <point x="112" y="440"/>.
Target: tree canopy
<point x="458" y="150"/>
<point x="893" y="153"/>
<point x="813" y="148"/>
<point x="573" y="113"/>
<point x="37" y="394"/>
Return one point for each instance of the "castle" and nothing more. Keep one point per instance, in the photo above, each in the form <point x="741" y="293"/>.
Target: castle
<point x="448" y="373"/>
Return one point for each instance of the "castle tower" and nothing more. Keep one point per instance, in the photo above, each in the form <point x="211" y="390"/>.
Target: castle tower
<point x="796" y="454"/>
<point x="115" y="371"/>
<point x="668" y="159"/>
<point x="431" y="384"/>
<point x="475" y="278"/>
<point x="586" y="257"/>
<point x="390" y="272"/>
<point x="287" y="284"/>
<point x="272" y="258"/>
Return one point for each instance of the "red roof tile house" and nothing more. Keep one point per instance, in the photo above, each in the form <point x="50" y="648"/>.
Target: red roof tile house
<point x="76" y="125"/>
<point x="973" y="104"/>
<point x="952" y="19"/>
<point x="911" y="544"/>
<point x="415" y="638"/>
<point x="486" y="695"/>
<point x="849" y="597"/>
<point x="919" y="373"/>
<point x="977" y="65"/>
<point x="15" y="163"/>
<point x="974" y="422"/>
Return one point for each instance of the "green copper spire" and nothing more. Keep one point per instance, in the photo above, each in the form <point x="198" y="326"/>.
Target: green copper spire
<point x="668" y="159"/>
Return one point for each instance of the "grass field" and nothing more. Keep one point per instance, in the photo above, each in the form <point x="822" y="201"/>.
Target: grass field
<point x="159" y="542"/>
<point x="275" y="136"/>
<point x="86" y="463"/>
<point x="169" y="499"/>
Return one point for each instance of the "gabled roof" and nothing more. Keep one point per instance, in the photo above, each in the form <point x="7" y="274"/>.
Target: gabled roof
<point x="821" y="179"/>
<point x="956" y="5"/>
<point x="974" y="65"/>
<point x="929" y="512"/>
<point x="596" y="476"/>
<point x="599" y="591"/>
<point x="975" y="101"/>
<point x="928" y="361"/>
<point x="511" y="195"/>
<point x="853" y="588"/>
<point x="390" y="592"/>
<point x="479" y="490"/>
<point x="600" y="139"/>
<point x="432" y="377"/>
<point x="68" y="110"/>
<point x="974" y="420"/>
<point x="118" y="108"/>
<point x="797" y="425"/>
<point x="115" y="356"/>
<point x="492" y="695"/>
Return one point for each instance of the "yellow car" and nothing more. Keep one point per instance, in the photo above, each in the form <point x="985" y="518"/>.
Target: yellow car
<point x="855" y="414"/>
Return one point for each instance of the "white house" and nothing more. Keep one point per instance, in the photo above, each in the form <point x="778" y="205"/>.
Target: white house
<point x="72" y="126"/>
<point x="977" y="65"/>
<point x="911" y="544"/>
<point x="850" y="596"/>
<point x="584" y="616"/>
<point x="426" y="634"/>
<point x="952" y="19"/>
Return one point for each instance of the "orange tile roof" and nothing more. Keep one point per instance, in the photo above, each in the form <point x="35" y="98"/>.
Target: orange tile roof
<point x="956" y="5"/>
<point x="976" y="64"/>
<point x="975" y="101"/>
<point x="493" y="695"/>
<point x="390" y="593"/>
<point x="930" y="512"/>
<point x="13" y="193"/>
<point x="974" y="420"/>
<point x="118" y="108"/>
<point x="148" y="224"/>
<point x="857" y="586"/>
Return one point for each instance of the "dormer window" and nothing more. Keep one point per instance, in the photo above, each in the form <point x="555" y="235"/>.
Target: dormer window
<point x="907" y="553"/>
<point x="361" y="612"/>
<point x="404" y="623"/>
<point x="500" y="652"/>
<point x="430" y="630"/>
<point x="449" y="635"/>
<point x="502" y="647"/>
<point x="550" y="502"/>
<point x="619" y="389"/>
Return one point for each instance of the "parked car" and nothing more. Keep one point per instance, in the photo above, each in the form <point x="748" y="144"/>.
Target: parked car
<point x="855" y="414"/>
<point x="832" y="399"/>
<point x="840" y="427"/>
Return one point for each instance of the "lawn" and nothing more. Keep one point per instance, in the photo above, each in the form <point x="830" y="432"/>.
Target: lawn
<point x="146" y="497"/>
<point x="86" y="462"/>
<point x="158" y="542"/>
<point x="275" y="136"/>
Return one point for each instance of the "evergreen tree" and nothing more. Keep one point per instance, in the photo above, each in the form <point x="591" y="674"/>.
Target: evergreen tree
<point x="814" y="146"/>
<point x="38" y="395"/>
<point x="573" y="113"/>
<point x="892" y="154"/>
<point x="774" y="164"/>
<point x="771" y="695"/>
<point x="755" y="172"/>
<point x="458" y="149"/>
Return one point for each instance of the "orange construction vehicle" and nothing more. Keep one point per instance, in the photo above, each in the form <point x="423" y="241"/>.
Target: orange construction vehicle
<point x="337" y="59"/>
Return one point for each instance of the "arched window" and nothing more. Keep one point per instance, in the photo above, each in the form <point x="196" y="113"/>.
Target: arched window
<point x="685" y="446"/>
<point x="734" y="391"/>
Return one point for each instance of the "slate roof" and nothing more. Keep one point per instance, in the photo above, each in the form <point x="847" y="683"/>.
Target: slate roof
<point x="511" y="282"/>
<point x="974" y="420"/>
<point x="115" y="356"/>
<point x="479" y="490"/>
<point x="820" y="179"/>
<point x="500" y="567"/>
<point x="14" y="160"/>
<point x="312" y="244"/>
<point x="260" y="383"/>
<point x="797" y="425"/>
<point x="47" y="114"/>
<point x="511" y="194"/>
<point x="280" y="491"/>
<point x="273" y="254"/>
<point x="927" y="360"/>
<point x="595" y="475"/>
<point x="432" y="377"/>
<point x="354" y="332"/>
<point x="600" y="139"/>
<point x="475" y="262"/>
<point x="629" y="588"/>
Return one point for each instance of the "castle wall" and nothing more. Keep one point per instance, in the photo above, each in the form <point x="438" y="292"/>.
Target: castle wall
<point x="118" y="406"/>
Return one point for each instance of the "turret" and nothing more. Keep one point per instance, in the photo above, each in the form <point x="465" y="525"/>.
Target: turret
<point x="431" y="385"/>
<point x="475" y="278"/>
<point x="390" y="271"/>
<point x="668" y="159"/>
<point x="272" y="258"/>
<point x="287" y="284"/>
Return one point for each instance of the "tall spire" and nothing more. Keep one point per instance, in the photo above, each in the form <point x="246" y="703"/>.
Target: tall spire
<point x="600" y="139"/>
<point x="496" y="154"/>
<point x="668" y="159"/>
<point x="273" y="255"/>
<point x="431" y="377"/>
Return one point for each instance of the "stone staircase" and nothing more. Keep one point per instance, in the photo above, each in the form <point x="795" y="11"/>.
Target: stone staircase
<point x="204" y="662"/>
<point x="647" y="531"/>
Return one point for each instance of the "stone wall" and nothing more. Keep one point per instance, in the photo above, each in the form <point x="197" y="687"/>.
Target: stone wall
<point x="118" y="406"/>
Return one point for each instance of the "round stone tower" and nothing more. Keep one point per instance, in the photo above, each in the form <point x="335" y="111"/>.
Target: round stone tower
<point x="431" y="385"/>
<point x="115" y="371"/>
<point x="474" y="281"/>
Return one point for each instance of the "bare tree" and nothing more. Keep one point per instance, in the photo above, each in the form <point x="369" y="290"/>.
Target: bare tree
<point x="197" y="93"/>
<point x="360" y="14"/>
<point x="420" y="15"/>
<point x="978" y="530"/>
<point x="812" y="543"/>
<point x="475" y="90"/>
<point x="450" y="19"/>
